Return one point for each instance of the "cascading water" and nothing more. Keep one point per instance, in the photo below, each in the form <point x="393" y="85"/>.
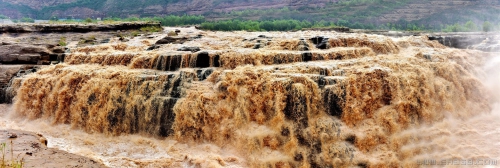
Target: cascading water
<point x="363" y="100"/>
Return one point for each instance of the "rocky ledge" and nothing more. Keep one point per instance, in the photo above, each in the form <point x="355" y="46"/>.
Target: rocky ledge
<point x="483" y="41"/>
<point x="59" y="28"/>
<point x="488" y="42"/>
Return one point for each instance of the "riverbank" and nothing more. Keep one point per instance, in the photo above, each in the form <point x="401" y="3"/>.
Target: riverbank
<point x="30" y="149"/>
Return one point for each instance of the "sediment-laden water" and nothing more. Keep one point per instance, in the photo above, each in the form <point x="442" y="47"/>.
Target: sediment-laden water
<point x="277" y="100"/>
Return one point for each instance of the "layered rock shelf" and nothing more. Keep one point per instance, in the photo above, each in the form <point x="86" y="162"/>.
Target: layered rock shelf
<point x="314" y="98"/>
<point x="484" y="41"/>
<point x="61" y="28"/>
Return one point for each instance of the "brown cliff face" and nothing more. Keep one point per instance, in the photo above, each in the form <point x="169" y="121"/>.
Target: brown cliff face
<point x="416" y="10"/>
<point x="260" y="4"/>
<point x="79" y="12"/>
<point x="38" y="4"/>
<point x="434" y="12"/>
<point x="202" y="6"/>
<point x="113" y="7"/>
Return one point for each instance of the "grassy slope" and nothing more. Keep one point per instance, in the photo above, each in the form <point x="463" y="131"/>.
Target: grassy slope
<point x="25" y="10"/>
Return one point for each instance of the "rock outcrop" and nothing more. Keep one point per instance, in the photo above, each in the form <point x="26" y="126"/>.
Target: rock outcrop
<point x="409" y="11"/>
<point x="481" y="41"/>
<point x="329" y="106"/>
<point x="38" y="46"/>
<point x="172" y="40"/>
<point x="7" y="73"/>
<point x="59" y="28"/>
<point x="186" y="48"/>
<point x="484" y="41"/>
<point x="488" y="45"/>
<point x="23" y="53"/>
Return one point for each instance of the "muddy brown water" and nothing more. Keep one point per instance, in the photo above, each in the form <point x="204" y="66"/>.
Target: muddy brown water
<point x="366" y="100"/>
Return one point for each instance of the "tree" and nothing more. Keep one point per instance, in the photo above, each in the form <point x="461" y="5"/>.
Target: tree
<point x="487" y="26"/>
<point x="3" y="17"/>
<point x="470" y="26"/>
<point x="88" y="20"/>
<point x="343" y="23"/>
<point x="27" y="20"/>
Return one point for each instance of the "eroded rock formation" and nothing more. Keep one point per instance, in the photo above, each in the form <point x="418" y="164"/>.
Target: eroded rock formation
<point x="337" y="104"/>
<point x="60" y="28"/>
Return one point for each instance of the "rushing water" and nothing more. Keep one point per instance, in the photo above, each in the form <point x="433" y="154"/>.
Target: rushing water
<point x="366" y="101"/>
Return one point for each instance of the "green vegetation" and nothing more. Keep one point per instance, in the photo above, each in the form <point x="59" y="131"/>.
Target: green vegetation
<point x="276" y="25"/>
<point x="169" y="20"/>
<point x="172" y="20"/>
<point x="355" y="14"/>
<point x="172" y="33"/>
<point x="88" y="20"/>
<point x="14" y="163"/>
<point x="286" y="25"/>
<point x="62" y="41"/>
<point x="293" y="24"/>
<point x="470" y="27"/>
<point x="487" y="26"/>
<point x="151" y="29"/>
<point x="134" y="33"/>
<point x="25" y="10"/>
<point x="46" y="12"/>
<point x="3" y="17"/>
<point x="27" y="20"/>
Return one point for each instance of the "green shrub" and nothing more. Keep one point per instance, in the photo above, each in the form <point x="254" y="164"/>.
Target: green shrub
<point x="27" y="20"/>
<point x="62" y="41"/>
<point x="134" y="33"/>
<point x="151" y="29"/>
<point x="487" y="26"/>
<point x="172" y="33"/>
<point x="470" y="26"/>
<point x="14" y="163"/>
<point x="91" y="38"/>
<point x="88" y="20"/>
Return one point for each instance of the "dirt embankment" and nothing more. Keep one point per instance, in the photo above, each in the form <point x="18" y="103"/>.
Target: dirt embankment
<point x="31" y="149"/>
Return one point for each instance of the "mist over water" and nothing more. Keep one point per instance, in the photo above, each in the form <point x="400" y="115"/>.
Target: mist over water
<point x="475" y="138"/>
<point x="125" y="150"/>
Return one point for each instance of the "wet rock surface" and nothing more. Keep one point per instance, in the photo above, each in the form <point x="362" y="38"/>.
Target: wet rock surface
<point x="192" y="49"/>
<point x="28" y="45"/>
<point x="346" y="94"/>
<point x="483" y="41"/>
<point x="488" y="42"/>
<point x="7" y="74"/>
<point x="172" y="40"/>
<point x="28" y="148"/>
<point x="60" y="28"/>
<point x="24" y="54"/>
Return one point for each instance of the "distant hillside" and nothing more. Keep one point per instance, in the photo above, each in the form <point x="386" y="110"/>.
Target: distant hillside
<point x="365" y="12"/>
<point x="124" y="8"/>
